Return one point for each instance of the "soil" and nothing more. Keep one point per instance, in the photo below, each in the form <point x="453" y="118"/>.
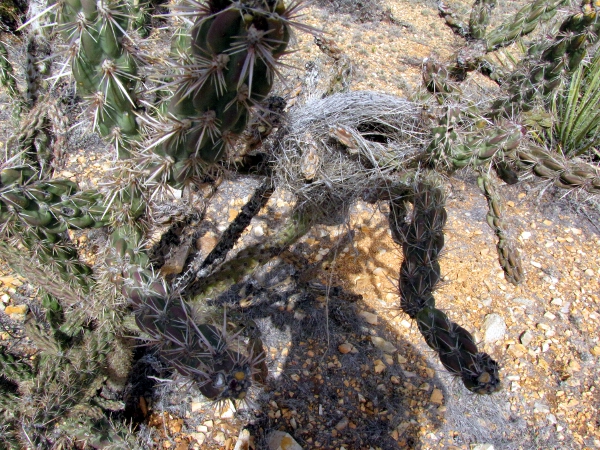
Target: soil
<point x="347" y="368"/>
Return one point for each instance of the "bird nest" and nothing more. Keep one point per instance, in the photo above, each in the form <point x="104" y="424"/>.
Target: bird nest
<point x="332" y="150"/>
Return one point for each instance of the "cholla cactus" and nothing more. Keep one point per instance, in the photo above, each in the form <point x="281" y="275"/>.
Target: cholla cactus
<point x="422" y="240"/>
<point x="229" y="67"/>
<point x="105" y="71"/>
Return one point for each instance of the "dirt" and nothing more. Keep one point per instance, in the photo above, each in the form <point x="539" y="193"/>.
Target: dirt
<point x="329" y="385"/>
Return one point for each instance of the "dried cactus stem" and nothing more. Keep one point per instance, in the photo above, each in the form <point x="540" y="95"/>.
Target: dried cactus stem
<point x="247" y="260"/>
<point x="422" y="240"/>
<point x="553" y="167"/>
<point x="508" y="256"/>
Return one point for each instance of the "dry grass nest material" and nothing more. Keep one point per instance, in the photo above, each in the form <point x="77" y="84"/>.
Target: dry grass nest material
<point x="333" y="149"/>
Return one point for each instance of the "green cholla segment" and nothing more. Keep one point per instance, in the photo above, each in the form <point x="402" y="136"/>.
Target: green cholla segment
<point x="507" y="254"/>
<point x="103" y="69"/>
<point x="524" y="22"/>
<point x="422" y="240"/>
<point x="551" y="61"/>
<point x="480" y="17"/>
<point x="231" y="68"/>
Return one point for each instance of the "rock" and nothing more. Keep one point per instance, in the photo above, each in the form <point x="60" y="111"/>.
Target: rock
<point x="370" y="318"/>
<point x="379" y="366"/>
<point x="346" y="347"/>
<point x="523" y="301"/>
<point x="595" y="350"/>
<point x="342" y="424"/>
<point x="540" y="408"/>
<point x="258" y="231"/>
<point x="174" y="265"/>
<point x="279" y="440"/>
<point x="482" y="447"/>
<point x="526" y="338"/>
<point x="494" y="328"/>
<point x="382" y="344"/>
<point x="16" y="310"/>
<point x="219" y="437"/>
<point x="437" y="397"/>
<point x="198" y="437"/>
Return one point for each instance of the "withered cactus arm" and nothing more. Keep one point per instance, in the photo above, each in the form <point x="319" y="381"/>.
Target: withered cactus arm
<point x="508" y="255"/>
<point x="422" y="240"/>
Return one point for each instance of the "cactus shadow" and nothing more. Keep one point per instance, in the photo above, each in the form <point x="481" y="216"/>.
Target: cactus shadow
<point x="322" y="394"/>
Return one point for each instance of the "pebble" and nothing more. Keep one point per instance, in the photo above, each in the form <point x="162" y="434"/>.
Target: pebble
<point x="540" y="408"/>
<point x="258" y="231"/>
<point x="523" y="301"/>
<point x="370" y="318"/>
<point x="482" y="447"/>
<point x="16" y="310"/>
<point x="526" y="234"/>
<point x="526" y="338"/>
<point x="280" y="440"/>
<point x="494" y="328"/>
<point x="342" y="424"/>
<point x="382" y="344"/>
<point x="437" y="397"/>
<point x="5" y="298"/>
<point x="379" y="366"/>
<point x="595" y="350"/>
<point x="198" y="437"/>
<point x="346" y="347"/>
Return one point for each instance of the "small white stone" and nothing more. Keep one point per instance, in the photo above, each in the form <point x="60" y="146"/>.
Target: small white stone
<point x="494" y="328"/>
<point x="526" y="338"/>
<point x="526" y="234"/>
<point x="258" y="231"/>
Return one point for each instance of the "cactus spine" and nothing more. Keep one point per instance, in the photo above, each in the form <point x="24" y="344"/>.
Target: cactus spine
<point x="104" y="70"/>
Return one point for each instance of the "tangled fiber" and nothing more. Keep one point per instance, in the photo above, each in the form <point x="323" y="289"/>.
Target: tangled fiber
<point x="333" y="149"/>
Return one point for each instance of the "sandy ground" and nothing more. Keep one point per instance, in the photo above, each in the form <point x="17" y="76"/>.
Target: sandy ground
<point x="357" y="374"/>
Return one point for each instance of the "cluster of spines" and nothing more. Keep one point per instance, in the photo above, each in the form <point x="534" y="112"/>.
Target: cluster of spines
<point x="36" y="213"/>
<point x="7" y="77"/>
<point x="67" y="373"/>
<point x="509" y="258"/>
<point x="230" y="67"/>
<point x="549" y="62"/>
<point x="478" y="148"/>
<point x="104" y="70"/>
<point x="563" y="173"/>
<point x="480" y="17"/>
<point x="422" y="240"/>
<point x="201" y="352"/>
<point x="522" y="23"/>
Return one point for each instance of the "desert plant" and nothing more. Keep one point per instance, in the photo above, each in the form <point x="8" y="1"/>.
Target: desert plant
<point x="575" y="108"/>
<point x="330" y="152"/>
